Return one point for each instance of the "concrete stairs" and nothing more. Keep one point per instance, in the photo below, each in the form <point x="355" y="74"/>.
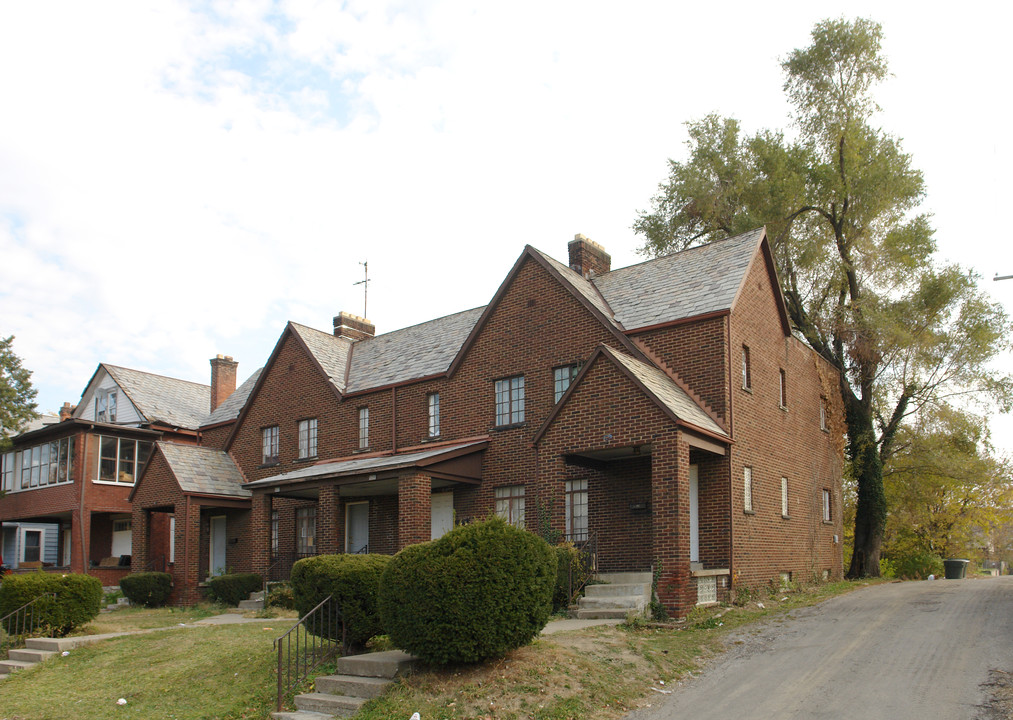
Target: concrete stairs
<point x="256" y="601"/>
<point x="118" y="605"/>
<point x="618" y="596"/>
<point x="38" y="649"/>
<point x="357" y="679"/>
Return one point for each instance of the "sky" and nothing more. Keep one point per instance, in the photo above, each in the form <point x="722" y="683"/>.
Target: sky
<point x="178" y="180"/>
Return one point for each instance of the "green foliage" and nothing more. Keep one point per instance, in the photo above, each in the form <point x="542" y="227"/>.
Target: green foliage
<point x="915" y="565"/>
<point x="353" y="582"/>
<point x="77" y="598"/>
<point x="281" y="596"/>
<point x="17" y="396"/>
<point x="656" y="608"/>
<point x="232" y="588"/>
<point x="854" y="257"/>
<point x="569" y="560"/>
<point x="479" y="591"/>
<point x="150" y="589"/>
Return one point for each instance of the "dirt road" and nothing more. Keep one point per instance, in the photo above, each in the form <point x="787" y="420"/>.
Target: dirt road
<point x="928" y="650"/>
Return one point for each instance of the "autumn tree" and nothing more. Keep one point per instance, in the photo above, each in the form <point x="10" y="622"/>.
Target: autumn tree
<point x="855" y="257"/>
<point x="17" y="396"/>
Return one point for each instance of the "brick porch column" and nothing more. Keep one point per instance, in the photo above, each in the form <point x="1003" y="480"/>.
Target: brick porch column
<point x="670" y="523"/>
<point x="140" y="538"/>
<point x="327" y="521"/>
<point x="189" y="531"/>
<point x="260" y="533"/>
<point x="414" y="511"/>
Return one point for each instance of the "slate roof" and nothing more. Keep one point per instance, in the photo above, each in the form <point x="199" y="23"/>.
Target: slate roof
<point x="666" y="392"/>
<point x="170" y="401"/>
<point x="330" y="351"/>
<point x="233" y="405"/>
<point x="204" y="470"/>
<point x="413" y="352"/>
<point x="358" y="466"/>
<point x="580" y="284"/>
<point x="686" y="284"/>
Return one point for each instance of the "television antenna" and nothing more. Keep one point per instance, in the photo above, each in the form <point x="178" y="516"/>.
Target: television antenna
<point x="365" y="286"/>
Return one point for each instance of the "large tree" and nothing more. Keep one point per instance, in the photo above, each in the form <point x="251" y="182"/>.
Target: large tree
<point x="854" y="256"/>
<point x="17" y="396"/>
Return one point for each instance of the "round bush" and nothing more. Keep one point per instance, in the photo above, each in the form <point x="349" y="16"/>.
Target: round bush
<point x="150" y="589"/>
<point x="281" y="596"/>
<point x="352" y="580"/>
<point x="78" y="598"/>
<point x="232" y="588"/>
<point x="479" y="591"/>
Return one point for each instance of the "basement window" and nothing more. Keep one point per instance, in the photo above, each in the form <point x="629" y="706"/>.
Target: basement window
<point x="706" y="590"/>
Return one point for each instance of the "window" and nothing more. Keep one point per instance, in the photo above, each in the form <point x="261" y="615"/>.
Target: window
<point x="826" y="506"/>
<point x="105" y="406"/>
<point x="784" y="389"/>
<point x="747" y="489"/>
<point x="576" y="510"/>
<point x="363" y="428"/>
<point x="33" y="546"/>
<point x="121" y="459"/>
<point x="305" y="530"/>
<point x="274" y="533"/>
<point x="433" y="400"/>
<point x="46" y="464"/>
<point x="784" y="497"/>
<point x="510" y="401"/>
<point x="510" y="504"/>
<point x="7" y="472"/>
<point x="270" y="456"/>
<point x="823" y="413"/>
<point x="121" y="525"/>
<point x="562" y="377"/>
<point x="747" y="378"/>
<point x="308" y="438"/>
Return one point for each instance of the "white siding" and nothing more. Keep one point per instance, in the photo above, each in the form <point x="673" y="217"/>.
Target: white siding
<point x="126" y="413"/>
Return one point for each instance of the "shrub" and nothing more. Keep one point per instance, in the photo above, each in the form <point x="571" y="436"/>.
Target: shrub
<point x="232" y="588"/>
<point x="917" y="565"/>
<point x="567" y="557"/>
<point x="150" y="589"/>
<point x="281" y="596"/>
<point x="352" y="580"/>
<point x="479" y="591"/>
<point x="77" y="598"/>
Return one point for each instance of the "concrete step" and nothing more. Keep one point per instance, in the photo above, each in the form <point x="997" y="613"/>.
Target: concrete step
<point x="9" y="666"/>
<point x="335" y="705"/>
<point x="634" y="602"/>
<point x="616" y="589"/>
<point x="387" y="664"/>
<point x="251" y="604"/>
<point x="29" y="655"/>
<point x="615" y="614"/>
<point x="300" y="715"/>
<point x="363" y="687"/>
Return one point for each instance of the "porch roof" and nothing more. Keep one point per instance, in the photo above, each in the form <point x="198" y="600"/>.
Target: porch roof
<point x="372" y="464"/>
<point x="203" y="470"/>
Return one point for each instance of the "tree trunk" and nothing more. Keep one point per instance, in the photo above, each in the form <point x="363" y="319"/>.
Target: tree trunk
<point x="870" y="513"/>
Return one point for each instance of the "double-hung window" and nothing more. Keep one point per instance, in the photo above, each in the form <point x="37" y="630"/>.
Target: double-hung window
<point x="433" y="400"/>
<point x="510" y="401"/>
<point x="363" y="428"/>
<point x="561" y="379"/>
<point x="270" y="437"/>
<point x="105" y="406"/>
<point x="510" y="504"/>
<point x="576" y="510"/>
<point x="306" y="530"/>
<point x="308" y="438"/>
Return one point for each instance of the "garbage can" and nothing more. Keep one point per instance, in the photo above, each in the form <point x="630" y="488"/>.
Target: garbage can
<point x="955" y="569"/>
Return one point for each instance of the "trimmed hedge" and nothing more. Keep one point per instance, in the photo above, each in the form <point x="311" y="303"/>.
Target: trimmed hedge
<point x="78" y="598"/>
<point x="150" y="589"/>
<point x="232" y="588"/>
<point x="352" y="580"/>
<point x="479" y="591"/>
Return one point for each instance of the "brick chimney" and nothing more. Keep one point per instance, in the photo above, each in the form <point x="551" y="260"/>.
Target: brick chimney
<point x="66" y="411"/>
<point x="353" y="327"/>
<point x="588" y="257"/>
<point x="223" y="379"/>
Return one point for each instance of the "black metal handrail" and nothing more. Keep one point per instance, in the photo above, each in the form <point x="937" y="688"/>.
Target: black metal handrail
<point x="307" y="644"/>
<point x="21" y="622"/>
<point x="157" y="564"/>
<point x="585" y="566"/>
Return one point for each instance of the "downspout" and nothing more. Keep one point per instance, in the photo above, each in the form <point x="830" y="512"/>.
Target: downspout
<point x="186" y="544"/>
<point x="393" y="419"/>
<point x="731" y="473"/>
<point x="84" y="481"/>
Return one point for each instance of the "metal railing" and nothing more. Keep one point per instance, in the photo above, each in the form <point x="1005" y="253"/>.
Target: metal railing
<point x="280" y="568"/>
<point x="15" y="626"/>
<point x="157" y="564"/>
<point x="309" y="643"/>
<point x="585" y="566"/>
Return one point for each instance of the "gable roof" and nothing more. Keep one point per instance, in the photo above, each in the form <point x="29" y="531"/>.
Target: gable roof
<point x="164" y="400"/>
<point x="330" y="352"/>
<point x="697" y="281"/>
<point x="234" y="403"/>
<point x="659" y="387"/>
<point x="203" y="471"/>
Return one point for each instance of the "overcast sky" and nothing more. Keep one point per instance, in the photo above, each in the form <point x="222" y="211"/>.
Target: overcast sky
<point x="180" y="179"/>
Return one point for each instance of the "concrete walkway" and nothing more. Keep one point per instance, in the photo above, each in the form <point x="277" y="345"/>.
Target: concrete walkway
<point x="567" y="624"/>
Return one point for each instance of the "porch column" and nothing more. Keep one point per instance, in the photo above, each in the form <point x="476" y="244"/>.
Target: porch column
<point x="260" y="533"/>
<point x="414" y="511"/>
<point x="670" y="526"/>
<point x="140" y="538"/>
<point x="327" y="520"/>
<point x="80" y="541"/>
<point x="189" y="529"/>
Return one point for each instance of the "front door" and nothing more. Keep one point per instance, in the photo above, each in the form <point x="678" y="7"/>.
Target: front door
<point x="694" y="513"/>
<point x="217" y="542"/>
<point x="357" y="527"/>
<point x="443" y="514"/>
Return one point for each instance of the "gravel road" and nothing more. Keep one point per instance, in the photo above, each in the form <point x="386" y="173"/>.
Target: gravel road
<point x="921" y="650"/>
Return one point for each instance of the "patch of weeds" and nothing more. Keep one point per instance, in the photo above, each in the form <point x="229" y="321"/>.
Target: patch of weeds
<point x="570" y="708"/>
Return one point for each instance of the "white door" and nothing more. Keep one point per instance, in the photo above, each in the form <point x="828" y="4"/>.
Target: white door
<point x="217" y="566"/>
<point x="122" y="538"/>
<point x="694" y="513"/>
<point x="357" y="527"/>
<point x="443" y="514"/>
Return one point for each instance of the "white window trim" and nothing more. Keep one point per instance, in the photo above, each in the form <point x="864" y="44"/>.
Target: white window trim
<point x="364" y="428"/>
<point x="433" y="412"/>
<point x="308" y="438"/>
<point x="784" y="497"/>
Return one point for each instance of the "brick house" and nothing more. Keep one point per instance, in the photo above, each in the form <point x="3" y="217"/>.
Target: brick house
<point x="663" y="412"/>
<point x="66" y="502"/>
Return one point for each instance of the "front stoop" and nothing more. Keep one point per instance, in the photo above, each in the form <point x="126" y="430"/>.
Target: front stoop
<point x="358" y="679"/>
<point x="618" y="596"/>
<point x="256" y="601"/>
